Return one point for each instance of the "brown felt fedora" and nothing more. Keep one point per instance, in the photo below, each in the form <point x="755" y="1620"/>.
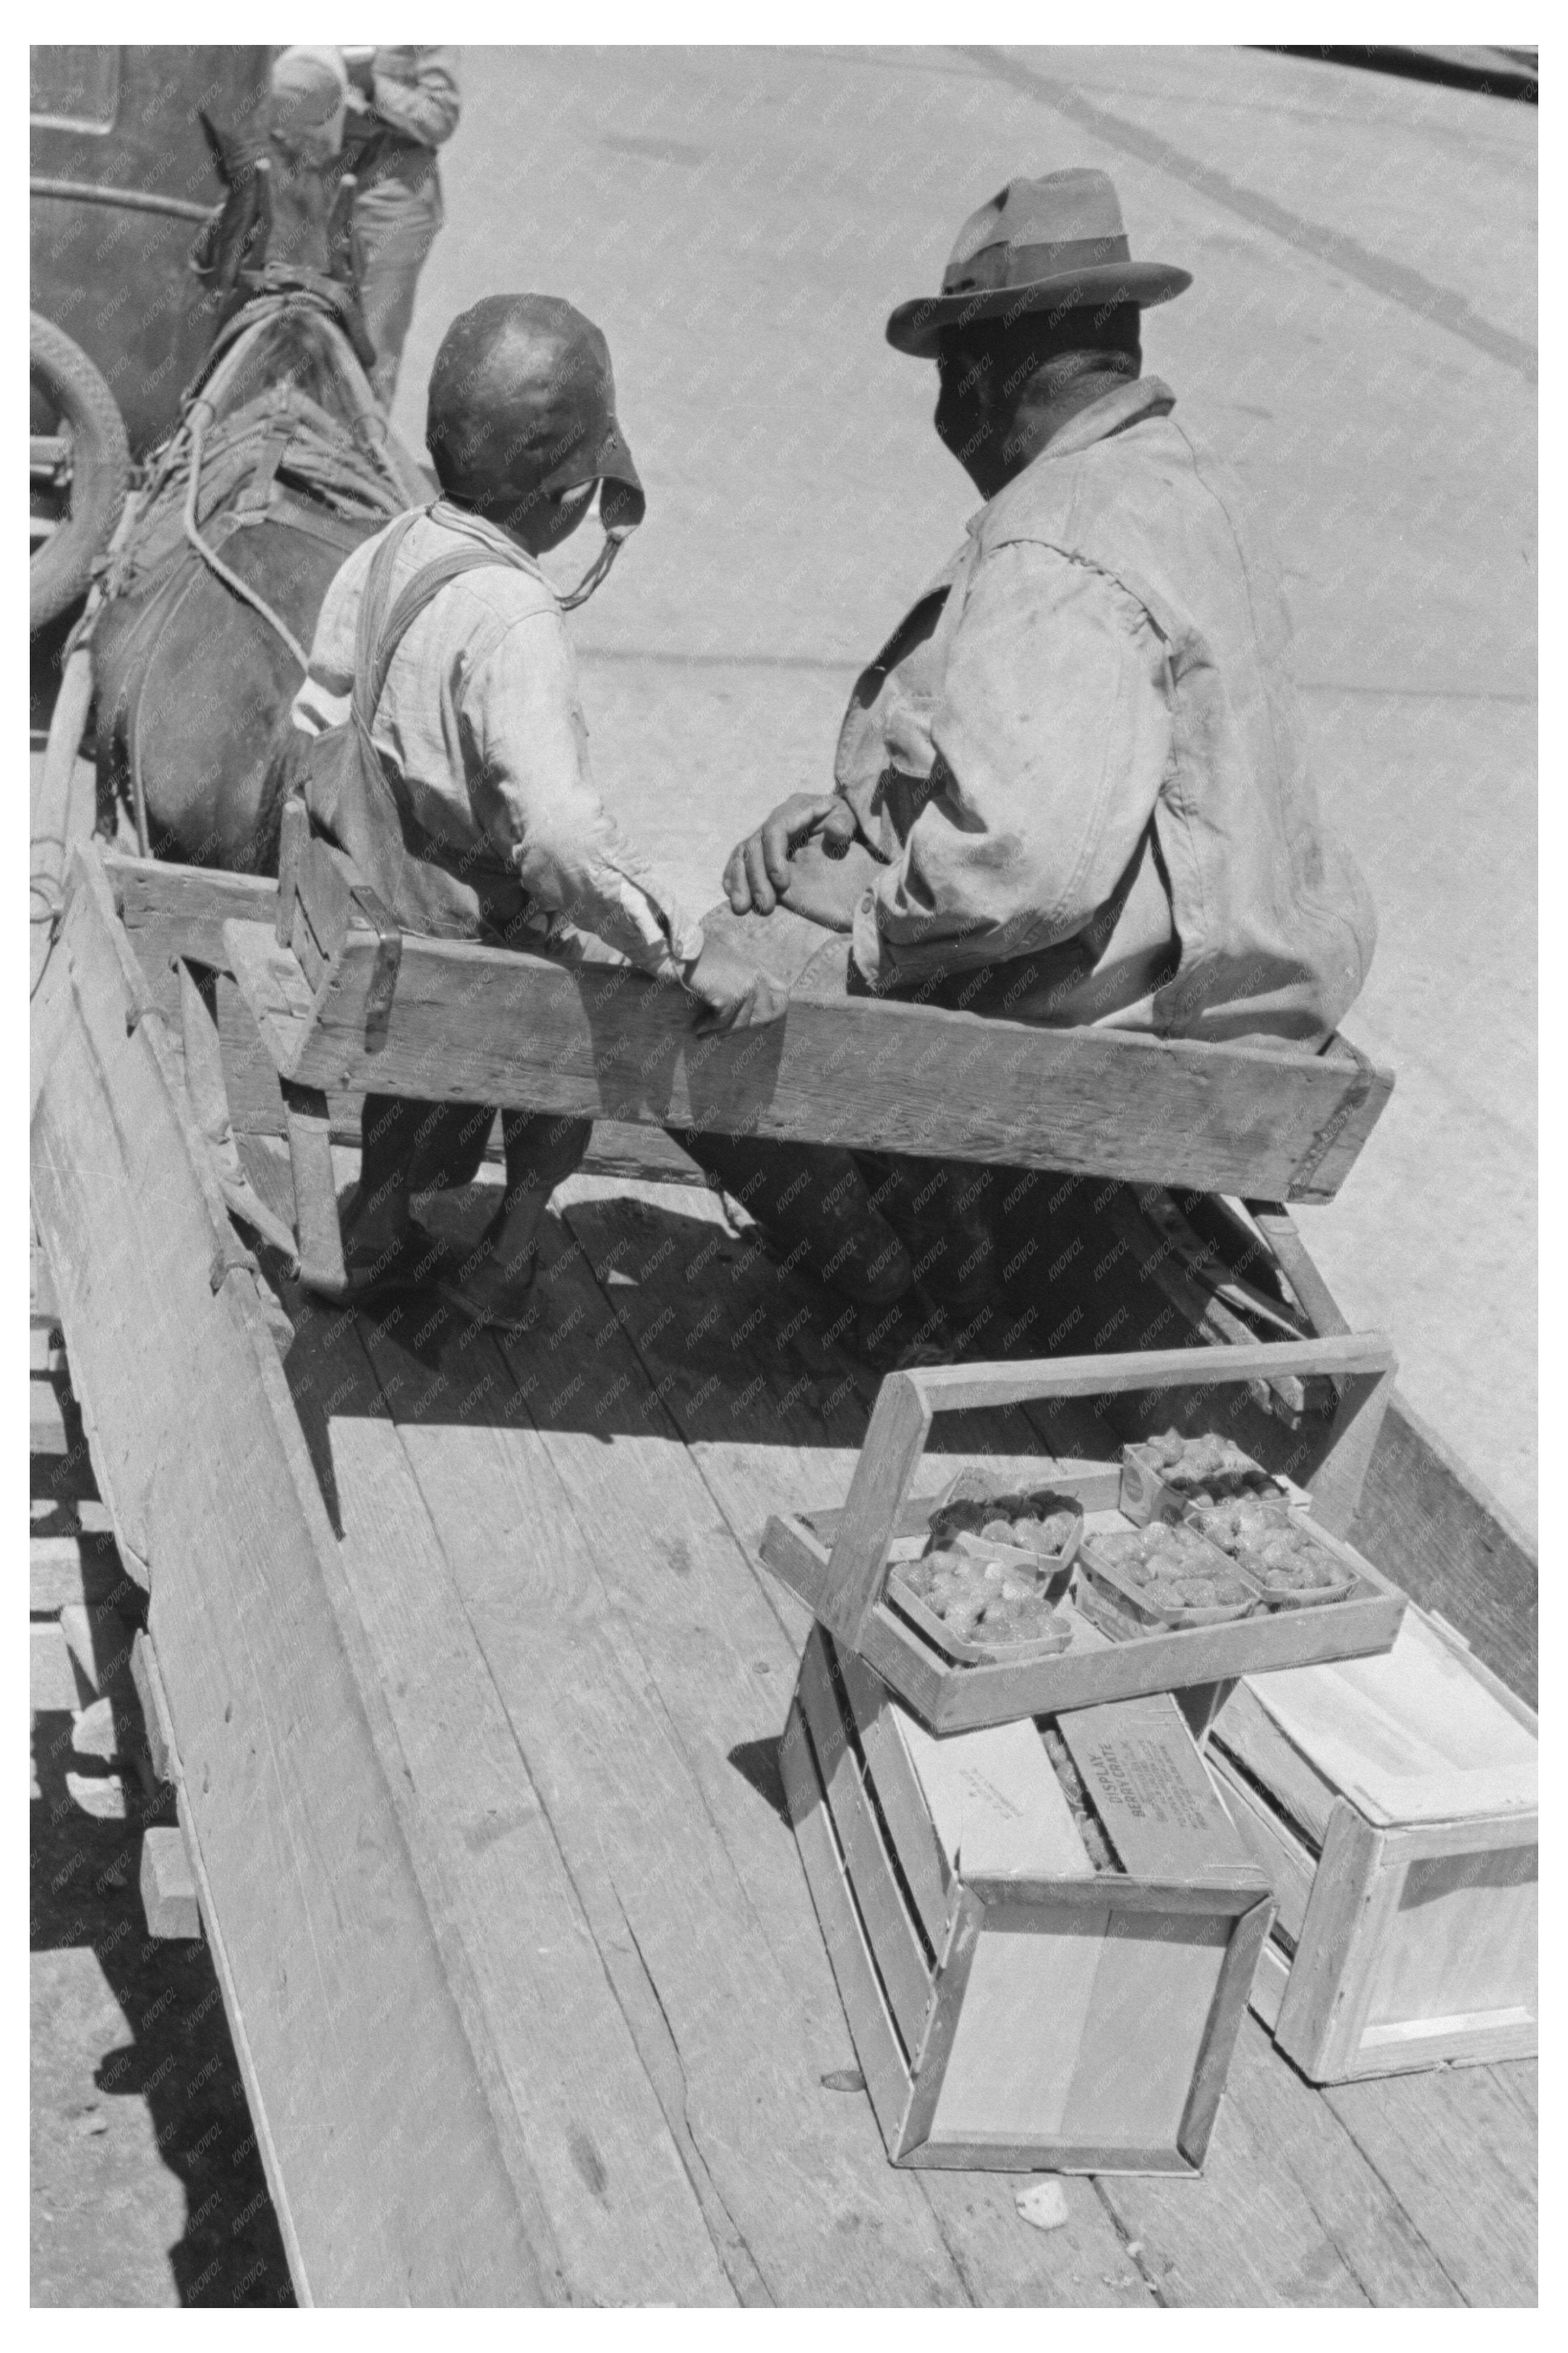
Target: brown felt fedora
<point x="1052" y="244"/>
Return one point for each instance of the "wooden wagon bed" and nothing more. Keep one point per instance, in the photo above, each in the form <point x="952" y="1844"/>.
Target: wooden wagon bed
<point x="476" y="1686"/>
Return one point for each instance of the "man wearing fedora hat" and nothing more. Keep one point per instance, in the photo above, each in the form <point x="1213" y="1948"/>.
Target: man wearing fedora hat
<point x="1070" y="787"/>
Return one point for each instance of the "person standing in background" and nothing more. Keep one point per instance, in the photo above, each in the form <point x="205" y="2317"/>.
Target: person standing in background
<point x="403" y="103"/>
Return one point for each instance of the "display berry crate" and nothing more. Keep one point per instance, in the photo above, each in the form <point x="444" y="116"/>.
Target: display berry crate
<point x="837" y="1559"/>
<point x="1393" y="1802"/>
<point x="1011" y="2006"/>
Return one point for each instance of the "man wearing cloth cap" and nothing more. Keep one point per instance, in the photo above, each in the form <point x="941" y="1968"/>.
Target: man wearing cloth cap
<point x="1070" y="787"/>
<point x="449" y="760"/>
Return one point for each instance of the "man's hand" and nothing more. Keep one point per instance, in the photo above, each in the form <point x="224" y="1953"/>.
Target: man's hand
<point x="733" y="992"/>
<point x="757" y="874"/>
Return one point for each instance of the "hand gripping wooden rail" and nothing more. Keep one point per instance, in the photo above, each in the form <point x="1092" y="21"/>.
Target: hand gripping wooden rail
<point x="345" y="1005"/>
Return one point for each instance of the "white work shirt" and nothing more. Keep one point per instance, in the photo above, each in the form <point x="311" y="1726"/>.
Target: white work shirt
<point x="482" y="720"/>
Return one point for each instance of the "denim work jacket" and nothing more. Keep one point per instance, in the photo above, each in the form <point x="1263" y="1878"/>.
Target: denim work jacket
<point x="1079" y="757"/>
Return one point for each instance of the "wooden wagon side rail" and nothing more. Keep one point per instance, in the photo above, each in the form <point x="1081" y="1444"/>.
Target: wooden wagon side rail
<point x="428" y="2167"/>
<point x="475" y="1024"/>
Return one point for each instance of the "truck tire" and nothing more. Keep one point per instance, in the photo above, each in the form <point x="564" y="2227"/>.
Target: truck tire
<point x="83" y="412"/>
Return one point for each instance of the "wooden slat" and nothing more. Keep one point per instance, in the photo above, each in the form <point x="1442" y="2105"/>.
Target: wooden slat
<point x="893" y="1445"/>
<point x="950" y="1388"/>
<point x="319" y="1927"/>
<point x="1460" y="2157"/>
<point x="549" y="2027"/>
<point x="1357" y="2211"/>
<point x="1330" y="1978"/>
<point x="712" y="1642"/>
<point x="1425" y="1520"/>
<point x="905" y="1970"/>
<point x="1290" y="1866"/>
<point x="482" y="1025"/>
<point x="772" y="1414"/>
<point x="1410" y="1738"/>
<point x="48" y="1416"/>
<point x="613" y="1704"/>
<point x="1244" y="1730"/>
<point x="899" y="1795"/>
<point x="877" y="2047"/>
<point x="52" y="1683"/>
<point x="179" y="911"/>
<point x="167" y="1888"/>
<point x="1246" y="2234"/>
<point x="307" y="1123"/>
<point x="82" y="1569"/>
<point x="99" y="1642"/>
<point x="961" y="1699"/>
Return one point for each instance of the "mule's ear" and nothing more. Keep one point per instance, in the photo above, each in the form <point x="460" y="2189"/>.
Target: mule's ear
<point x="219" y="146"/>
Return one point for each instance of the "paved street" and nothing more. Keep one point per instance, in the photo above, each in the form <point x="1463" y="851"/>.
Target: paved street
<point x="1359" y="342"/>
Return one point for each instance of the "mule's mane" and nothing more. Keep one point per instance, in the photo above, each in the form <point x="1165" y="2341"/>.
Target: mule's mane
<point x="263" y="446"/>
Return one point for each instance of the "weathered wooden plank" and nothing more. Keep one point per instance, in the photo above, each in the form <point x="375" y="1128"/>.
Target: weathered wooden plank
<point x="475" y="1024"/>
<point x="905" y="1968"/>
<point x="1248" y="2233"/>
<point x="777" y="1433"/>
<point x="342" y="2013"/>
<point x="52" y="1683"/>
<point x="627" y="1678"/>
<point x="1358" y="2210"/>
<point x="1460" y="2155"/>
<point x="167" y="1889"/>
<point x="1423" y="1518"/>
<point x="562" y="2067"/>
<point x="171" y="913"/>
<point x="883" y="2067"/>
<point x="67" y="1569"/>
<point x="49" y="1416"/>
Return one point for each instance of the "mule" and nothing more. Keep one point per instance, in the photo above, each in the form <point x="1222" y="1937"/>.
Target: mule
<point x="281" y="464"/>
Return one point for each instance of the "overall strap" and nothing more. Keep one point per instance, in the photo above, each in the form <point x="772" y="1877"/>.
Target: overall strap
<point x="422" y="590"/>
<point x="372" y="612"/>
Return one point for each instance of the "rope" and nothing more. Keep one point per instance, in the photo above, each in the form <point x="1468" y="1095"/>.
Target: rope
<point x="200" y="413"/>
<point x="597" y="572"/>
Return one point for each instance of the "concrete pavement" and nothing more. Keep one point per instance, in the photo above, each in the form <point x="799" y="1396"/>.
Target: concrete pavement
<point x="1359" y="342"/>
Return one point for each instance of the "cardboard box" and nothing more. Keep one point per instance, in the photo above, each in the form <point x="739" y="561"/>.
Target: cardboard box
<point x="1014" y="2006"/>
<point x="1393" y="1802"/>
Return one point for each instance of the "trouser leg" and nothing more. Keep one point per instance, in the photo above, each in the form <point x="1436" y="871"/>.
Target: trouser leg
<point x="945" y="1213"/>
<point x="394" y="228"/>
<point x="811" y="1201"/>
<point x="491" y="1283"/>
<point x="405" y="1147"/>
<point x="543" y="1149"/>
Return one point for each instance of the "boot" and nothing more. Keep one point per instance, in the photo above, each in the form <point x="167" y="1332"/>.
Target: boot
<point x="492" y="1284"/>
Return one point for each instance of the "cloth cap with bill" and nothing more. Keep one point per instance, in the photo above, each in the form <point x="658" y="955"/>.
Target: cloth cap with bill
<point x="522" y="406"/>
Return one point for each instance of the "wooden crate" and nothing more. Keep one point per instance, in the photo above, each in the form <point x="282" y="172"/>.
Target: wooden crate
<point x="837" y="1560"/>
<point x="1393" y="1803"/>
<point x="1012" y="2007"/>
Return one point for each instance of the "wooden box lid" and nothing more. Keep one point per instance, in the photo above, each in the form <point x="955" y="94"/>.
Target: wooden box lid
<point x="1419" y="1733"/>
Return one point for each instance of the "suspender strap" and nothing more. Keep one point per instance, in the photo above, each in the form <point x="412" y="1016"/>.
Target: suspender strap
<point x="380" y="633"/>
